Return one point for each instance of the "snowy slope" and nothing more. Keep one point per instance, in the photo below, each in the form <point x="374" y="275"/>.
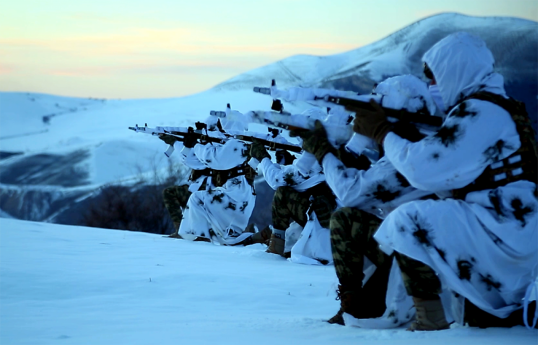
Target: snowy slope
<point x="72" y="153"/>
<point x="75" y="285"/>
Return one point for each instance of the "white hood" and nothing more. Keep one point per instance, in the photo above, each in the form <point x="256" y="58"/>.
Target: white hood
<point x="462" y="65"/>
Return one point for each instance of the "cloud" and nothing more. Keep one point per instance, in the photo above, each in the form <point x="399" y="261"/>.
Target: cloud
<point x="6" y="69"/>
<point x="180" y="68"/>
<point x="154" y="42"/>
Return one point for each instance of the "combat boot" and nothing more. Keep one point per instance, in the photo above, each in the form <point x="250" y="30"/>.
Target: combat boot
<point x="430" y="315"/>
<point x="349" y="303"/>
<point x="251" y="228"/>
<point x="175" y="234"/>
<point x="263" y="236"/>
<point x="257" y="237"/>
<point x="276" y="245"/>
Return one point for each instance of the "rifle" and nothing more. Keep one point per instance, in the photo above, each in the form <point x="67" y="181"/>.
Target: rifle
<point x="272" y="140"/>
<point x="348" y="99"/>
<point x="337" y="125"/>
<point x="179" y="133"/>
<point x="217" y="137"/>
<point x="420" y="117"/>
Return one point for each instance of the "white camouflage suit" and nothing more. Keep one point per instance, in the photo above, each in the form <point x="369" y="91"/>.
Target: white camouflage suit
<point x="379" y="190"/>
<point x="310" y="244"/>
<point x="218" y="213"/>
<point x="484" y="247"/>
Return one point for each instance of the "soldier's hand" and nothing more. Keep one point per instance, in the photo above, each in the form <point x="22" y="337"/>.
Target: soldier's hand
<point x="316" y="141"/>
<point x="301" y="133"/>
<point x="258" y="151"/>
<point x="283" y="157"/>
<point x="189" y="140"/>
<point x="169" y="139"/>
<point x="371" y="123"/>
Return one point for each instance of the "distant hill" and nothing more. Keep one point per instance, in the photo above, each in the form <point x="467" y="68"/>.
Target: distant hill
<point x="513" y="42"/>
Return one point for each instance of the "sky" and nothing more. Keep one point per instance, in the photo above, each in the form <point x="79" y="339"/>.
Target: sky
<point x="170" y="48"/>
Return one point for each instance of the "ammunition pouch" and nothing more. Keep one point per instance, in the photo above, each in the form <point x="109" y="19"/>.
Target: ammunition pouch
<point x="196" y="174"/>
<point x="220" y="177"/>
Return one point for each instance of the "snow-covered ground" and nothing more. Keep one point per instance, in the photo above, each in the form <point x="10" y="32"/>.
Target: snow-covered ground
<point x="74" y="285"/>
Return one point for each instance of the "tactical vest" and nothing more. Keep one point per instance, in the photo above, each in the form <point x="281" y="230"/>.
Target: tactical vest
<point x="220" y="177"/>
<point x="196" y="174"/>
<point x="520" y="165"/>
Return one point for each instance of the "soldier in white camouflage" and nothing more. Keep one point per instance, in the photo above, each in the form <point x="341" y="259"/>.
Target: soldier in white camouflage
<point x="368" y="194"/>
<point x="297" y="196"/>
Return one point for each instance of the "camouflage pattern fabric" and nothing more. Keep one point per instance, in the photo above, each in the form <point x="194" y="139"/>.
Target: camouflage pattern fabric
<point x="175" y="198"/>
<point x="528" y="151"/>
<point x="352" y="232"/>
<point x="290" y="205"/>
<point x="419" y="279"/>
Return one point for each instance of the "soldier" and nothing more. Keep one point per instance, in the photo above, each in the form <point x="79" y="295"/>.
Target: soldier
<point x="481" y="241"/>
<point x="368" y="194"/>
<point x="175" y="197"/>
<point x="297" y="196"/>
<point x="221" y="211"/>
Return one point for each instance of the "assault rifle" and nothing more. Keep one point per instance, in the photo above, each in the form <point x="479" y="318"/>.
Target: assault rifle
<point x="420" y="117"/>
<point x="216" y="137"/>
<point x="347" y="99"/>
<point x="336" y="123"/>
<point x="179" y="133"/>
<point x="269" y="140"/>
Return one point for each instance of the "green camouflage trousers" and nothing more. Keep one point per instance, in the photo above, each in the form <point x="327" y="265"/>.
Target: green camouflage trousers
<point x="290" y="205"/>
<point x="352" y="232"/>
<point x="175" y="198"/>
<point x="419" y="280"/>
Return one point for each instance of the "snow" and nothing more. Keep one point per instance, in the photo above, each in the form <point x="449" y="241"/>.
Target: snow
<point x="77" y="285"/>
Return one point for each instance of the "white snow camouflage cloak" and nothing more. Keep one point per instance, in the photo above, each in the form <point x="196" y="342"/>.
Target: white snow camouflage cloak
<point x="225" y="210"/>
<point x="484" y="247"/>
<point x="379" y="190"/>
<point x="310" y="245"/>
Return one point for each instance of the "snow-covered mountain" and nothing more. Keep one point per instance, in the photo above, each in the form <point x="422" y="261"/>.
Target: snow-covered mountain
<point x="513" y="41"/>
<point x="56" y="151"/>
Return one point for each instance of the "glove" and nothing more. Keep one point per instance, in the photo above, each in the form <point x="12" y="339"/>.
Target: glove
<point x="283" y="157"/>
<point x="372" y="124"/>
<point x="258" y="151"/>
<point x="169" y="139"/>
<point x="315" y="141"/>
<point x="189" y="140"/>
